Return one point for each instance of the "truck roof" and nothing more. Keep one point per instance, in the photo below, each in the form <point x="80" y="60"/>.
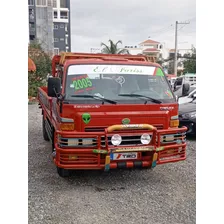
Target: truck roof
<point x="65" y="59"/>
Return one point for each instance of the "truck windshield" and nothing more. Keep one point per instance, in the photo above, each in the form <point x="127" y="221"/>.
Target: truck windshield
<point x="118" y="83"/>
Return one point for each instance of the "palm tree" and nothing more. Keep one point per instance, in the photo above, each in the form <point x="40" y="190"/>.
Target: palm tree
<point x="113" y="48"/>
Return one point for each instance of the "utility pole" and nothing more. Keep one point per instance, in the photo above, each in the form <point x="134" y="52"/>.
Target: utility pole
<point x="176" y="45"/>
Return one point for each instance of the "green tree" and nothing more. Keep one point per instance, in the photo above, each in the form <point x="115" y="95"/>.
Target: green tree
<point x="113" y="48"/>
<point x="43" y="67"/>
<point x="190" y="62"/>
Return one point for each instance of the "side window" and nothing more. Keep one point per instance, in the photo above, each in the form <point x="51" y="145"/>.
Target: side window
<point x="179" y="81"/>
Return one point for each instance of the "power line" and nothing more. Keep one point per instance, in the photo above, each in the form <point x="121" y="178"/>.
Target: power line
<point x="163" y="32"/>
<point x="163" y="29"/>
<point x="182" y="26"/>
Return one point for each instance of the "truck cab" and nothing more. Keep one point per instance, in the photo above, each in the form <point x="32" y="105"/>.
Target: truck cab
<point x="110" y="111"/>
<point x="181" y="80"/>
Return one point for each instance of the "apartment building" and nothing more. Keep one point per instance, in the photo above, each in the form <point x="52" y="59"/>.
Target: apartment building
<point x="62" y="30"/>
<point x="49" y="23"/>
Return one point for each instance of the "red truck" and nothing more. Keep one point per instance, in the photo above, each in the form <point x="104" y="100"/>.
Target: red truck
<point x="103" y="112"/>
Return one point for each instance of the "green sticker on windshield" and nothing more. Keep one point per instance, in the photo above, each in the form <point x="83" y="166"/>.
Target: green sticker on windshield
<point x="159" y="72"/>
<point x="86" y="118"/>
<point x="81" y="82"/>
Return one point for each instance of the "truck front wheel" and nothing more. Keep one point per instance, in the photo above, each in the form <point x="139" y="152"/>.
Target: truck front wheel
<point x="63" y="172"/>
<point x="46" y="138"/>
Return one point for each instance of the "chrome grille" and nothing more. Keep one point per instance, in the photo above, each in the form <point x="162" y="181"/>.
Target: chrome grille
<point x="127" y="140"/>
<point x="77" y="142"/>
<point x="177" y="138"/>
<point x="95" y="129"/>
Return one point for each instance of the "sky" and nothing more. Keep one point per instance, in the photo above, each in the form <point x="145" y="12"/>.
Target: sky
<point x="132" y="22"/>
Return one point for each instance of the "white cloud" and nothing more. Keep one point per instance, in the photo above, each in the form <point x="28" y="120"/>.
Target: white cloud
<point x="96" y="21"/>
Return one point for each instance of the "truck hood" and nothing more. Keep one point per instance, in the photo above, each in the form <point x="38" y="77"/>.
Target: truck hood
<point x="98" y="117"/>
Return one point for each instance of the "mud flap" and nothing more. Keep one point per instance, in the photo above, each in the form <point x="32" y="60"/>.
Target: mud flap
<point x="155" y="156"/>
<point x="107" y="163"/>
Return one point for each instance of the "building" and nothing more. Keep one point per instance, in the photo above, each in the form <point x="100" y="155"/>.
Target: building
<point x="180" y="65"/>
<point x="62" y="30"/>
<point x="95" y="50"/>
<point x="147" y="47"/>
<point x="134" y="50"/>
<point x="151" y="48"/>
<point x="49" y="23"/>
<point x="32" y="20"/>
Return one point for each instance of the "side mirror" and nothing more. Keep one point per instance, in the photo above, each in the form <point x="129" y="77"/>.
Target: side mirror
<point x="194" y="96"/>
<point x="185" y="89"/>
<point x="53" y="86"/>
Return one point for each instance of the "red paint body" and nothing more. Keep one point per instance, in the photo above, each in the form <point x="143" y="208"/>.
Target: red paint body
<point x="104" y="116"/>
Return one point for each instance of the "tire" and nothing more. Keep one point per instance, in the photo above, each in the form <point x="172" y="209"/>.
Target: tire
<point x="63" y="172"/>
<point x="45" y="136"/>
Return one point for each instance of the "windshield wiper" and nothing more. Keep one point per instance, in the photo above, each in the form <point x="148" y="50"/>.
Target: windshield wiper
<point x="95" y="97"/>
<point x="139" y="95"/>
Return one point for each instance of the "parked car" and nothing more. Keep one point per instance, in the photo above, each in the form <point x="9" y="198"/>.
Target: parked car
<point x="189" y="98"/>
<point x="187" y="116"/>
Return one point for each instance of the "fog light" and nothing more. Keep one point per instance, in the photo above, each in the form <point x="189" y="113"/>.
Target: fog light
<point x="145" y="139"/>
<point x="116" y="139"/>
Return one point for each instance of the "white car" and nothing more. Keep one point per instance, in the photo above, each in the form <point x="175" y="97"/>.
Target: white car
<point x="189" y="98"/>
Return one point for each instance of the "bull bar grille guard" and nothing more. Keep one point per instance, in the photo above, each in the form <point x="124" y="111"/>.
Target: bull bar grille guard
<point x="166" y="152"/>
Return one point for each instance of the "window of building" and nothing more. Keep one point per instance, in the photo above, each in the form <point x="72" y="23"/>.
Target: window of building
<point x="31" y="14"/>
<point x="55" y="39"/>
<point x="62" y="39"/>
<point x="66" y="27"/>
<point x="63" y="4"/>
<point x="64" y="15"/>
<point x="30" y="2"/>
<point x="41" y="2"/>
<point x="49" y="3"/>
<point x="62" y="26"/>
<point x="50" y="16"/>
<point x="54" y="3"/>
<point x="32" y="25"/>
<point x="55" y="27"/>
<point x="32" y="37"/>
<point x="55" y="14"/>
<point x="66" y="40"/>
<point x="56" y="51"/>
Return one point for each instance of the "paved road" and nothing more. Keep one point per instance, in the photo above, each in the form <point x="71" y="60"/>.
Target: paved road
<point x="163" y="195"/>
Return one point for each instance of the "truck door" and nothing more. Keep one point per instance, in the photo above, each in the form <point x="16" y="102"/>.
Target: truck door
<point x="178" y="83"/>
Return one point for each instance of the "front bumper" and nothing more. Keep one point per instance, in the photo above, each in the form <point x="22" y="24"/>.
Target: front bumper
<point x="100" y="156"/>
<point x="190" y="125"/>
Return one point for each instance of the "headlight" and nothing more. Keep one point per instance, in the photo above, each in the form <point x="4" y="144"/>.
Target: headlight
<point x="189" y="115"/>
<point x="145" y="139"/>
<point x="116" y="139"/>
